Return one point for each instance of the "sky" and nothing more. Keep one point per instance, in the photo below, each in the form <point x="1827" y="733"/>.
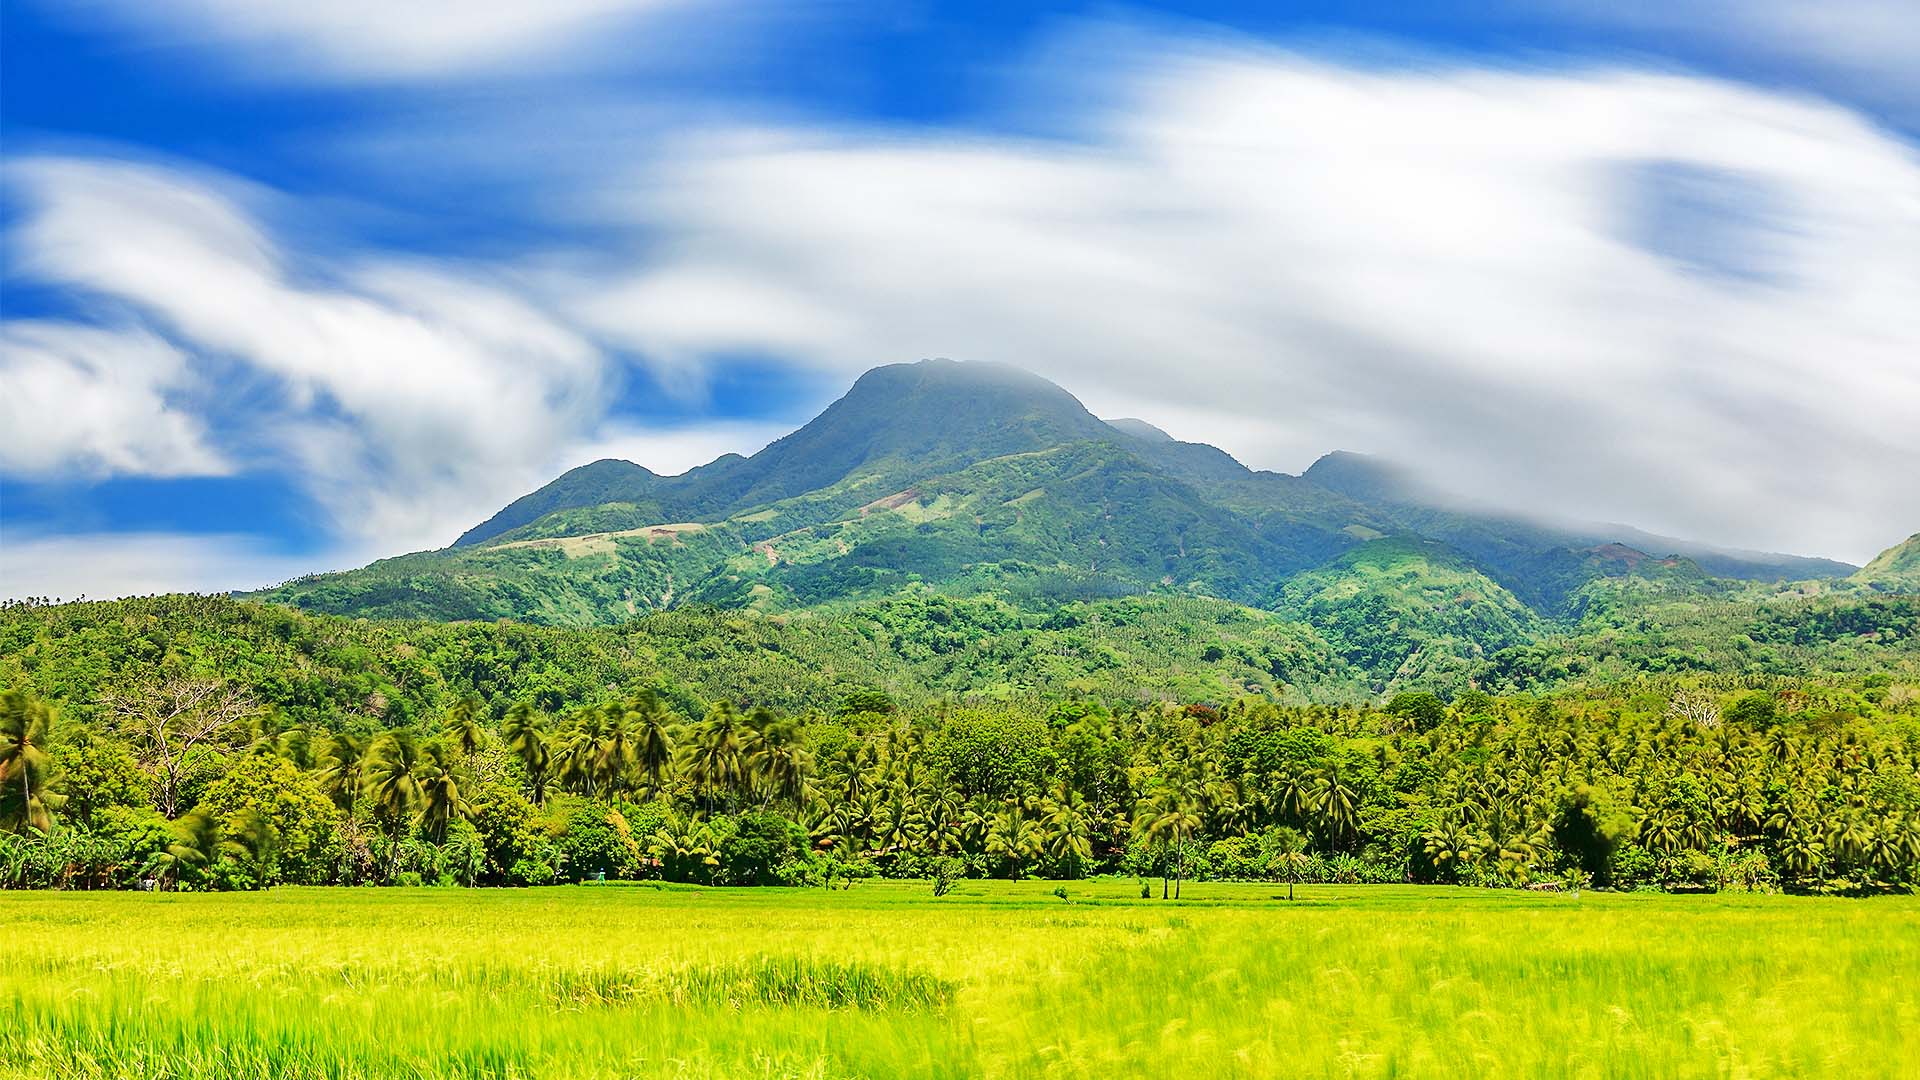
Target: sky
<point x="287" y="287"/>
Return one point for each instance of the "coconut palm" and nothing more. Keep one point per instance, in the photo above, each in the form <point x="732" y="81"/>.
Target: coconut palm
<point x="653" y="750"/>
<point x="440" y="799"/>
<point x="525" y="730"/>
<point x="781" y="764"/>
<point x="1013" y="838"/>
<point x="1167" y="819"/>
<point x="580" y="751"/>
<point x="394" y="768"/>
<point x="716" y="757"/>
<point x="26" y="728"/>
<point x="1290" y="851"/>
<point x="1336" y="806"/>
<point x="1067" y="830"/>
<point x="462" y="728"/>
<point x="342" y="765"/>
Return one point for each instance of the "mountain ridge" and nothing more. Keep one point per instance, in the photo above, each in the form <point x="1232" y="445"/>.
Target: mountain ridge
<point x="979" y="478"/>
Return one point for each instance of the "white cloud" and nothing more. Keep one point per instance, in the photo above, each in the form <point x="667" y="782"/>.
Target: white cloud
<point x="381" y="39"/>
<point x="1450" y="266"/>
<point x="96" y="401"/>
<point x="412" y="398"/>
<point x="102" y="565"/>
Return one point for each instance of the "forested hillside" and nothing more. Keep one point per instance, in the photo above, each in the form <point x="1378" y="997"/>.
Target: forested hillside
<point x="208" y="744"/>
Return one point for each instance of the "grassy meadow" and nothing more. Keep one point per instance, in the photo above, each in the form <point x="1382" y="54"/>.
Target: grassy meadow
<point x="994" y="979"/>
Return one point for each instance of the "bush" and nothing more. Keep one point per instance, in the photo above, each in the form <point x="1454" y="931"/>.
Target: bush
<point x="764" y="849"/>
<point x="596" y="841"/>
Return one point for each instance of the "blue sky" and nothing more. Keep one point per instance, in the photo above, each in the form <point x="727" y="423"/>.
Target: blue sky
<point x="288" y="287"/>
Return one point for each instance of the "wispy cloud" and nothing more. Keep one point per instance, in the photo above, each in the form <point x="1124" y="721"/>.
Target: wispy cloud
<point x="96" y="401"/>
<point x="406" y="395"/>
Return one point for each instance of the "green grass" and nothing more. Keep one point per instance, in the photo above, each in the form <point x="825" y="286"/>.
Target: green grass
<point x="995" y="979"/>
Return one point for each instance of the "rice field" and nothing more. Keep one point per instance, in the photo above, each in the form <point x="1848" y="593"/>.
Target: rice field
<point x="993" y="980"/>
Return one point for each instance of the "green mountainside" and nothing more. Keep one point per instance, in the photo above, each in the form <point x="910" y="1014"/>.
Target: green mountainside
<point x="1898" y="565"/>
<point x="980" y="480"/>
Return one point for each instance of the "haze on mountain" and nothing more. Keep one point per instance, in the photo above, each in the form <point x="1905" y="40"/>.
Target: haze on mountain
<point x="973" y="477"/>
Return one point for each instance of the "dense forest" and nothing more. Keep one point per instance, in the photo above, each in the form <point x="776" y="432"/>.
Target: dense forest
<point x="194" y="742"/>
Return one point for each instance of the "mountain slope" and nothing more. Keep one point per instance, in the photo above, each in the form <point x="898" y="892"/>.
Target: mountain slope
<point x="1899" y="565"/>
<point x="1408" y="609"/>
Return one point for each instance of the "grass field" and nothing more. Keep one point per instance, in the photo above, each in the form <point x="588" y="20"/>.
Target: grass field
<point x="995" y="979"/>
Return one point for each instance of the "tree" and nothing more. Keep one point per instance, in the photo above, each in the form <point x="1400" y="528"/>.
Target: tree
<point x="463" y="729"/>
<point x="525" y="729"/>
<point x="95" y="773"/>
<point x="1167" y="819"/>
<point x="1420" y="708"/>
<point x="653" y="753"/>
<point x="1290" y="851"/>
<point x="1067" y="829"/>
<point x="305" y="822"/>
<point x="343" y="768"/>
<point x="717" y="761"/>
<point x="175" y="717"/>
<point x="1336" y="806"/>
<point x="26" y="727"/>
<point x="440" y="799"/>
<point x="394" y="769"/>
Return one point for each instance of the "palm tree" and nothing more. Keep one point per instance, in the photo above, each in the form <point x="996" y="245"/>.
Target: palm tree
<point x="654" y="750"/>
<point x="1012" y="838"/>
<point x="1068" y="830"/>
<point x="198" y="841"/>
<point x="462" y="727"/>
<point x="580" y="753"/>
<point x="1167" y="819"/>
<point x="781" y="763"/>
<point x="1291" y="852"/>
<point x="440" y="799"/>
<point x="1337" y="807"/>
<point x="525" y="729"/>
<point x="342" y="766"/>
<point x="1292" y="796"/>
<point x="1451" y="847"/>
<point x="394" y="768"/>
<point x="26" y="727"/>
<point x="717" y="764"/>
<point x="613" y="758"/>
<point x="195" y="843"/>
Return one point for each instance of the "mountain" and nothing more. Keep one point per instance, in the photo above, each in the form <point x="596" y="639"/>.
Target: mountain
<point x="898" y="423"/>
<point x="1898" y="566"/>
<point x="977" y="479"/>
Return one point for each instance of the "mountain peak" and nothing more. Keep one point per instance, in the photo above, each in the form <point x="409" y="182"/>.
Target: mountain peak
<point x="1365" y="477"/>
